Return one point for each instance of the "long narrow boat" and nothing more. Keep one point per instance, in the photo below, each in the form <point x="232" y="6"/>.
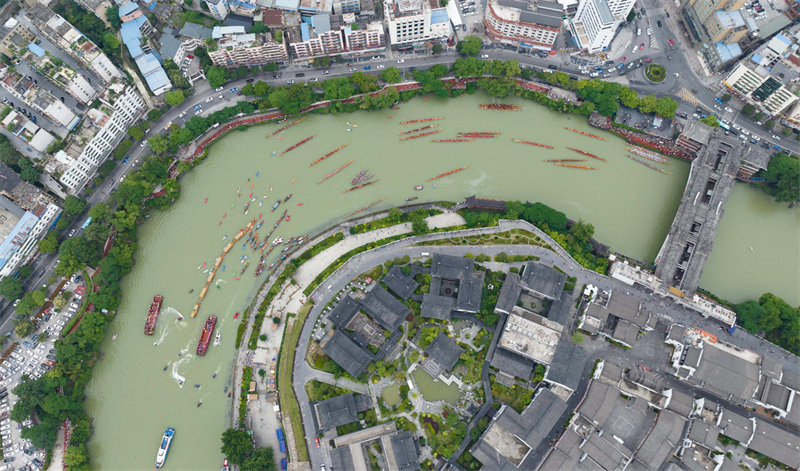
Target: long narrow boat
<point x="361" y="179"/>
<point x="500" y="107"/>
<point x="648" y="165"/>
<point x="648" y="155"/>
<point x="329" y="154"/>
<point x="284" y="128"/>
<point x="520" y="141"/>
<point x="470" y="133"/>
<point x="586" y="134"/>
<point x="582" y="167"/>
<point x="430" y="126"/>
<point x="564" y="160"/>
<point x="447" y="173"/>
<point x="479" y="135"/>
<point x="464" y="139"/>
<point x="329" y="175"/>
<point x="299" y="144"/>
<point x="365" y="207"/>
<point x="358" y="187"/>
<point x="426" y="120"/>
<point x="587" y="154"/>
<point x="420" y="135"/>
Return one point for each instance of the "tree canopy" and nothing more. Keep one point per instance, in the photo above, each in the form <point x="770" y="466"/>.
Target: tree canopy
<point x="774" y="317"/>
<point x="470" y="46"/>
<point x="782" y="177"/>
<point x="236" y="445"/>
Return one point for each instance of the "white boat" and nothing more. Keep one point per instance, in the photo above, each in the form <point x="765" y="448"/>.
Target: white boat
<point x="163" y="450"/>
<point x="216" y="339"/>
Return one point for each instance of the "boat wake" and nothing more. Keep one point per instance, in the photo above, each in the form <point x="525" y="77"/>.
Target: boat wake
<point x="172" y="310"/>
<point x="177" y="376"/>
<point x="163" y="336"/>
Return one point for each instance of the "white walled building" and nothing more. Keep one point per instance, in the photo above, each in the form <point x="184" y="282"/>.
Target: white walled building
<point x="26" y="239"/>
<point x="620" y="8"/>
<point x="127" y="109"/>
<point x="523" y="24"/>
<point x="415" y="21"/>
<point x="218" y="8"/>
<point x="764" y="92"/>
<point x="593" y="25"/>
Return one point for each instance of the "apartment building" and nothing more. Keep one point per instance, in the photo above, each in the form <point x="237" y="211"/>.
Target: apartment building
<point x="414" y="22"/>
<point x="315" y="7"/>
<point x="593" y="26"/>
<point x="341" y="7"/>
<point x="317" y="38"/>
<point x="21" y="231"/>
<point x="763" y="91"/>
<point x="67" y="38"/>
<point x="236" y="48"/>
<point x="532" y="25"/>
<point x="14" y="36"/>
<point x="219" y="9"/>
<point x="127" y="108"/>
<point x="717" y="26"/>
<point x="39" y="99"/>
<point x="370" y="37"/>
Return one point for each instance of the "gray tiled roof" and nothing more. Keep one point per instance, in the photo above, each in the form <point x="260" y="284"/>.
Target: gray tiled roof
<point x="437" y="307"/>
<point x="342" y="459"/>
<point x="347" y="354"/>
<point x="544" y="280"/>
<point x="339" y="410"/>
<point x="777" y="444"/>
<point x="469" y="293"/>
<point x="725" y="374"/>
<point x="400" y="283"/>
<point x="736" y="426"/>
<point x="662" y="440"/>
<point x="385" y="308"/>
<point x="509" y="294"/>
<point x="512" y="364"/>
<point x="343" y="313"/>
<point x="444" y="351"/>
<point x="405" y="451"/>
<point x="450" y="267"/>
<point x="566" y="367"/>
<point x="599" y="403"/>
<point x="704" y="433"/>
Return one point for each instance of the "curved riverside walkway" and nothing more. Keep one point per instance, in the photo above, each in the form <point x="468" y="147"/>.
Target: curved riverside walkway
<point x="665" y="308"/>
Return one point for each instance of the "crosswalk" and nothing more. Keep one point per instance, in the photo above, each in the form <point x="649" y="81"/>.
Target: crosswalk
<point x="688" y="96"/>
<point x="622" y="80"/>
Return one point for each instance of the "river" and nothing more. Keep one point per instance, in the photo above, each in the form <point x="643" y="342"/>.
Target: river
<point x="132" y="400"/>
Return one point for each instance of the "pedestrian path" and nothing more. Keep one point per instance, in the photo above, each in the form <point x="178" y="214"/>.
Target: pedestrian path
<point x="688" y="96"/>
<point x="653" y="42"/>
<point x="620" y="79"/>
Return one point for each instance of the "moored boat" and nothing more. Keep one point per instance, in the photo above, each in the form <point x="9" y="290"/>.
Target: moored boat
<point x="163" y="449"/>
<point x="152" y="315"/>
<point x="217" y="339"/>
<point x="205" y="336"/>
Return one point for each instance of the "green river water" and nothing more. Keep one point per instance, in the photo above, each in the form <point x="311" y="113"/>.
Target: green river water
<point x="132" y="400"/>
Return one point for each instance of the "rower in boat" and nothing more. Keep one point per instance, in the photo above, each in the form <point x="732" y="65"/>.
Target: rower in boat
<point x="165" y="367"/>
<point x="213" y="376"/>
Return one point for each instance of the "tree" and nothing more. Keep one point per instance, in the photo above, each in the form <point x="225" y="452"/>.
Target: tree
<point x="577" y="337"/>
<point x="153" y="115"/>
<point x="786" y="131"/>
<point x="59" y="301"/>
<point x="259" y="28"/>
<point x="11" y="288"/>
<point x="758" y="117"/>
<point x="216" y="76"/>
<point x="710" y="120"/>
<point x="99" y="212"/>
<point x="726" y="97"/>
<point x="781" y="177"/>
<point x="647" y="104"/>
<point x="49" y="244"/>
<point x="174" y="97"/>
<point x="236" y="445"/>
<point x="666" y="107"/>
<point x="631" y="15"/>
<point x="391" y="75"/>
<point x="262" y="459"/>
<point x="748" y="110"/>
<point x="582" y="230"/>
<point x="24" y="328"/>
<point x="136" y="133"/>
<point x="73" y="205"/>
<point x="470" y="46"/>
<point x="112" y="15"/>
<point x="437" y="48"/>
<point x="110" y="41"/>
<point x="25" y="271"/>
<point x="324" y="61"/>
<point x="770" y="123"/>
<point x="76" y="458"/>
<point x="158" y="144"/>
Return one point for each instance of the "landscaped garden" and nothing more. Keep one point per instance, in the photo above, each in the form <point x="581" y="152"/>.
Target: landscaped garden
<point x="655" y="73"/>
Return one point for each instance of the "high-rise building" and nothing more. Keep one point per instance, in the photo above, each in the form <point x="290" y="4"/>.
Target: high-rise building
<point x="236" y="48"/>
<point x="764" y="92"/>
<point x="718" y="26"/>
<point x="317" y="38"/>
<point x="218" y="8"/>
<point x="593" y="26"/>
<point x="412" y="22"/>
<point x="128" y="108"/>
<point x="533" y="25"/>
<point x="371" y="37"/>
<point x="341" y="7"/>
<point x="21" y="231"/>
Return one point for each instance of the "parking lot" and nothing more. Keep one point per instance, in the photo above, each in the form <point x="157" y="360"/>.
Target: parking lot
<point x="27" y="358"/>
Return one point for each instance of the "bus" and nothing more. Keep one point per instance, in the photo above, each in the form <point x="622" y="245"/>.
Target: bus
<point x="724" y="125"/>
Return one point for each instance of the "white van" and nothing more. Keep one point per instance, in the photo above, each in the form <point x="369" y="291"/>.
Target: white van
<point x="639" y="32"/>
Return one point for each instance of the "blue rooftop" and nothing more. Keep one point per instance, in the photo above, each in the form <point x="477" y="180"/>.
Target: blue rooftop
<point x="127" y="8"/>
<point x="152" y="6"/>
<point x="36" y="50"/>
<point x="728" y="52"/>
<point x="439" y="16"/>
<point x="304" y="31"/>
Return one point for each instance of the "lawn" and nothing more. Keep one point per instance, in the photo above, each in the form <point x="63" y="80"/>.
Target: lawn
<point x="518" y="397"/>
<point x="655" y="73"/>
<point x="285" y="391"/>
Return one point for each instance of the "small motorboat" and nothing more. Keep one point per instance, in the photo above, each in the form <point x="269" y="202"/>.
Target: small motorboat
<point x="226" y="389"/>
<point x="224" y="215"/>
<point x="114" y="337"/>
<point x="274" y="151"/>
<point x="418" y="187"/>
<point x="190" y="292"/>
<point x="236" y="316"/>
<point x="199" y="403"/>
<point x="206" y="201"/>
<point x="197" y="385"/>
<point x="165" y="367"/>
<point x="213" y="376"/>
<point x="293" y="180"/>
<point x="180" y="354"/>
<point x="287" y="218"/>
<point x="220" y="223"/>
<point x="229" y="394"/>
<point x="299" y="204"/>
<point x="180" y="384"/>
<point x="270" y="189"/>
<point x="204" y="264"/>
<point x="223" y="267"/>
<point x="217" y="338"/>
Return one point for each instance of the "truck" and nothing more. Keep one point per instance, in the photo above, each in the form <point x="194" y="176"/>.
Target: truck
<point x="282" y="446"/>
<point x="86" y="224"/>
<point x="280" y="433"/>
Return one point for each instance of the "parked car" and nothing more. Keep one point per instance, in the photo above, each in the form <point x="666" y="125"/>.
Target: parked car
<point x="219" y="89"/>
